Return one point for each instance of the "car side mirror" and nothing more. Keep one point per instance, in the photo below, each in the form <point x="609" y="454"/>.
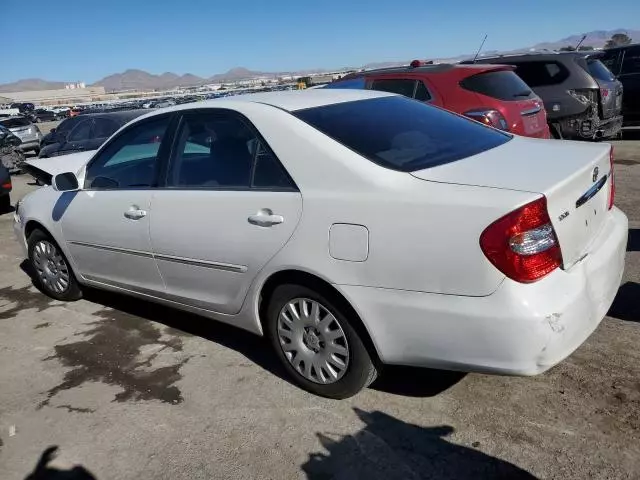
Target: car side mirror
<point x="65" y="182"/>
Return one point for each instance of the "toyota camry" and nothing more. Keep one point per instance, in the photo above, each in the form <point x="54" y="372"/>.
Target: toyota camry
<point x="352" y="229"/>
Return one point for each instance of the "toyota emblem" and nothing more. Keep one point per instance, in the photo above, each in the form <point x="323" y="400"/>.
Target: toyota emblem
<point x="594" y="177"/>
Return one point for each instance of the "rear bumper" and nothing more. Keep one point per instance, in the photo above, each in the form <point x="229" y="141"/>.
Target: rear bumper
<point x="589" y="127"/>
<point x="520" y="329"/>
<point x="30" y="144"/>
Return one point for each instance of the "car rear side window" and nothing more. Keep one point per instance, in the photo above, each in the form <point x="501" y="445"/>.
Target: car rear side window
<point x="401" y="134"/>
<point x="501" y="84"/>
<point x="348" y="83"/>
<point x="401" y="86"/>
<point x="540" y="74"/>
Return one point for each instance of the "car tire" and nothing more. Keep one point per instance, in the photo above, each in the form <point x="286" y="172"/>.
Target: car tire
<point x="5" y="203"/>
<point x="334" y="349"/>
<point x="52" y="272"/>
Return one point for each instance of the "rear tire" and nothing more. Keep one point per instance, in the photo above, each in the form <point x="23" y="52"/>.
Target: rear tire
<point x="316" y="342"/>
<point x="52" y="273"/>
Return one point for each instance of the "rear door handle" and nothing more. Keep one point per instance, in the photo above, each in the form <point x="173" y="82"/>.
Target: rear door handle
<point x="265" y="218"/>
<point x="134" y="213"/>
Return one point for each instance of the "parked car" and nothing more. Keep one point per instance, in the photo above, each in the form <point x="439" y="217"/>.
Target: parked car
<point x="75" y="111"/>
<point x="42" y="115"/>
<point x="426" y="238"/>
<point x="624" y="63"/>
<point x="84" y="132"/>
<point x="26" y="131"/>
<point x="582" y="98"/>
<point x="493" y="95"/>
<point x="5" y="189"/>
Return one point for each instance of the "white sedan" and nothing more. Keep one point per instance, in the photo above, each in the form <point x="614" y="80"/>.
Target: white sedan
<point x="352" y="228"/>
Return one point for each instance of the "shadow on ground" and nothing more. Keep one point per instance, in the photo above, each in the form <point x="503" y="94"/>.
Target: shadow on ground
<point x="406" y="381"/>
<point x="388" y="448"/>
<point x="626" y="305"/>
<point x="633" y="244"/>
<point x="43" y="471"/>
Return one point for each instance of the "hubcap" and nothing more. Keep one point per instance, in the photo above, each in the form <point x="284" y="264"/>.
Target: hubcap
<point x="313" y="341"/>
<point x="50" y="267"/>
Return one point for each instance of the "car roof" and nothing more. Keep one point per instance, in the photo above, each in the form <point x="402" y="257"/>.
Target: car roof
<point x="122" y="115"/>
<point x="531" y="56"/>
<point x="429" y="68"/>
<point x="290" y="101"/>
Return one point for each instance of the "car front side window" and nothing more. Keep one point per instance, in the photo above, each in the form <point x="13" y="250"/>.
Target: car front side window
<point x="131" y="159"/>
<point x="80" y="132"/>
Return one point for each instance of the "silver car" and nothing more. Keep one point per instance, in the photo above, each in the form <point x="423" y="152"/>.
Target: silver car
<point x="26" y="131"/>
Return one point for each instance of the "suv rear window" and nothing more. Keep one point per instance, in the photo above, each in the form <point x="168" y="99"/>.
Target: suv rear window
<point x="540" y="74"/>
<point x="599" y="71"/>
<point x="402" y="134"/>
<point x="349" y="83"/>
<point x="501" y="84"/>
<point x="15" y="122"/>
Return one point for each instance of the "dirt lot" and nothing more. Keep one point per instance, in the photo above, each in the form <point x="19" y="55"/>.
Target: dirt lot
<point x="132" y="390"/>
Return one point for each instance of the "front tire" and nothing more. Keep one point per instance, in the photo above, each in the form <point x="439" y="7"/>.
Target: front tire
<point x="317" y="343"/>
<point x="52" y="272"/>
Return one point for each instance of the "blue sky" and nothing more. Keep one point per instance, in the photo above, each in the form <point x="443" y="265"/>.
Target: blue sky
<point x="83" y="40"/>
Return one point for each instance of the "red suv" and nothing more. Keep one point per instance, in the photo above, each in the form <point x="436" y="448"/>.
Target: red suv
<point x="491" y="94"/>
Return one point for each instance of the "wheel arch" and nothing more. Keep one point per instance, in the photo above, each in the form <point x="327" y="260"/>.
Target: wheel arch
<point x="310" y="280"/>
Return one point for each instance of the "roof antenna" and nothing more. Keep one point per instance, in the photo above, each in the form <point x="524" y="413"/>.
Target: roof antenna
<point x="584" y="37"/>
<point x="480" y="49"/>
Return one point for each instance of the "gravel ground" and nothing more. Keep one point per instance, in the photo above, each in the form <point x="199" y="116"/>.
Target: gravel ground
<point x="132" y="390"/>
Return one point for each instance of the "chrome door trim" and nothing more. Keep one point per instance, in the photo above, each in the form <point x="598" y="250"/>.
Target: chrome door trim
<point x="126" y="251"/>
<point x="169" y="258"/>
<point x="202" y="263"/>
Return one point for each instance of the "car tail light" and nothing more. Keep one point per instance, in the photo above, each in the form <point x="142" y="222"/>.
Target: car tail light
<point x="7" y="185"/>
<point x="585" y="95"/>
<point x="523" y="244"/>
<point x="604" y="92"/>
<point x="612" y="185"/>
<point x="493" y="118"/>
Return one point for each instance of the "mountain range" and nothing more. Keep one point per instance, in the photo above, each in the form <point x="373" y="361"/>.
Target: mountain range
<point x="134" y="79"/>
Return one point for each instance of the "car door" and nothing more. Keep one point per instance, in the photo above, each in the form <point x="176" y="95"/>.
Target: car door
<point x="228" y="206"/>
<point x="106" y="223"/>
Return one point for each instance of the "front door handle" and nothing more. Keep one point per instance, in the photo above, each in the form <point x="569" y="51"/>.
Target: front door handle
<point x="265" y="218"/>
<point x="134" y="213"/>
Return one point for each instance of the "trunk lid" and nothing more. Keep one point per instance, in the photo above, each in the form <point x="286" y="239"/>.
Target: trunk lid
<point x="573" y="176"/>
<point x="610" y="95"/>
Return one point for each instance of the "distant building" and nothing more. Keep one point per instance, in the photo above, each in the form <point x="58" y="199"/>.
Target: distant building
<point x="73" y="86"/>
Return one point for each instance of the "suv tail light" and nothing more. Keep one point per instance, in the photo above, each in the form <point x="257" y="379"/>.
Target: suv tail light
<point x="493" y="118"/>
<point x="604" y="92"/>
<point x="523" y="244"/>
<point x="612" y="185"/>
<point x="7" y="185"/>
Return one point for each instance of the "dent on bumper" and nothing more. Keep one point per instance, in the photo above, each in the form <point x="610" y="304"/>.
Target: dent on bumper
<point x="519" y="329"/>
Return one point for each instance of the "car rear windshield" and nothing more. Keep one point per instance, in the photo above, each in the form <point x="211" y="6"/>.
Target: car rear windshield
<point x="402" y="134"/>
<point x="501" y="84"/>
<point x="599" y="71"/>
<point x="15" y="122"/>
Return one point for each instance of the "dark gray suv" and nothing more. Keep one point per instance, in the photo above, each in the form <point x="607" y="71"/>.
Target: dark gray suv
<point x="582" y="97"/>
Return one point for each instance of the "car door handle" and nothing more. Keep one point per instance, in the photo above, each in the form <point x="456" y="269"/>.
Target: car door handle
<point x="134" y="213"/>
<point x="265" y="218"/>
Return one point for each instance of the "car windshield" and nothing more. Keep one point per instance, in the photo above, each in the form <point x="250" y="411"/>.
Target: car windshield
<point x="598" y="70"/>
<point x="402" y="134"/>
<point x="15" y="122"/>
